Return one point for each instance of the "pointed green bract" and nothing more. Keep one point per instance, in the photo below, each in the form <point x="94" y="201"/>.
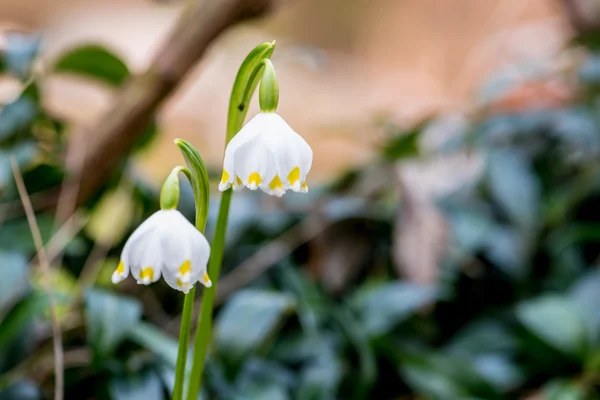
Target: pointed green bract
<point x="198" y="179"/>
<point x="244" y="86"/>
<point x="268" y="93"/>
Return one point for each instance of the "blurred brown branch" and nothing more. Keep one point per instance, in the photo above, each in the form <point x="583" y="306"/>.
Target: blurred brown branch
<point x="584" y="15"/>
<point x="116" y="132"/>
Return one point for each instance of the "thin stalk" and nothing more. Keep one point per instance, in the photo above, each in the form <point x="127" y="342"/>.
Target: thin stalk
<point x="199" y="181"/>
<point x="184" y="339"/>
<point x="203" y="333"/>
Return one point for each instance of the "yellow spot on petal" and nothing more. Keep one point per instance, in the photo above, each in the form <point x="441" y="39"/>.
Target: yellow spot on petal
<point x="147" y="272"/>
<point x="238" y="180"/>
<point x="121" y="268"/>
<point x="276" y="183"/>
<point x="182" y="284"/>
<point x="294" y="176"/>
<point x="225" y="177"/>
<point x="186" y="267"/>
<point x="205" y="278"/>
<point x="304" y="185"/>
<point x="254" y="178"/>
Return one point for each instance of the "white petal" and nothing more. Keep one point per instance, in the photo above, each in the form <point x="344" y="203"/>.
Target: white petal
<point x="246" y="135"/>
<point x="186" y="253"/>
<point x="291" y="151"/>
<point x="137" y="236"/>
<point x="149" y="252"/>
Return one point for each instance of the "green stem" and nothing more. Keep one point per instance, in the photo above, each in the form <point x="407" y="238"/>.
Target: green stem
<point x="203" y="333"/>
<point x="198" y="178"/>
<point x="184" y="339"/>
<point x="244" y="87"/>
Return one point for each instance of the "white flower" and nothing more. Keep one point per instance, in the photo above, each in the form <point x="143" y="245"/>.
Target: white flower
<point x="267" y="154"/>
<point x="167" y="244"/>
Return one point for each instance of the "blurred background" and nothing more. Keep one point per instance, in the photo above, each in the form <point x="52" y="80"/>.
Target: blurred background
<point x="448" y="247"/>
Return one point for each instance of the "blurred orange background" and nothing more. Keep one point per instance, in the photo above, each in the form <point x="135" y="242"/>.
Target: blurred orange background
<point x="341" y="64"/>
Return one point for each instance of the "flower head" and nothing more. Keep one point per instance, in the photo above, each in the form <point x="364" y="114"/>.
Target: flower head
<point x="165" y="244"/>
<point x="267" y="154"/>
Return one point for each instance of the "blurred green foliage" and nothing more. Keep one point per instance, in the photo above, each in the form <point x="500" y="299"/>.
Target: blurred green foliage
<point x="515" y="313"/>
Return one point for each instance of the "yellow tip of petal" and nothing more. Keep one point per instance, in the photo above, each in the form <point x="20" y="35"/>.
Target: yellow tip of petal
<point x="276" y="183"/>
<point x="225" y="177"/>
<point x="294" y="176"/>
<point x="254" y="180"/>
<point x="206" y="280"/>
<point x="147" y="275"/>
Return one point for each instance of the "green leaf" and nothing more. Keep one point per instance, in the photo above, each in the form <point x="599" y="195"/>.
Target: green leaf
<point x="482" y="337"/>
<point x="23" y="390"/>
<point x="261" y="379"/>
<point x="249" y="319"/>
<point x="381" y="307"/>
<point x="502" y="373"/>
<point x="438" y="376"/>
<point x="320" y="378"/>
<point x="515" y="187"/>
<point x="586" y="295"/>
<point x="20" y="52"/>
<point x="94" y="61"/>
<point x="14" y="276"/>
<point x="110" y="318"/>
<point x="404" y="144"/>
<point x="20" y="316"/>
<point x="557" y="322"/>
<point x="155" y="341"/>
<point x="142" y="386"/>
<point x="563" y="390"/>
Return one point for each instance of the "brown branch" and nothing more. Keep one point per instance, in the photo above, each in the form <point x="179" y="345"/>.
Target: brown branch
<point x="583" y="15"/>
<point x="119" y="129"/>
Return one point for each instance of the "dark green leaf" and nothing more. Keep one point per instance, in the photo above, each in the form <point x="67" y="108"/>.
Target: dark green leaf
<point x="20" y="316"/>
<point x="562" y="390"/>
<point x="500" y="372"/>
<point x="438" y="376"/>
<point x="14" y="276"/>
<point x="155" y="341"/>
<point x="142" y="386"/>
<point x="381" y="307"/>
<point x="24" y="152"/>
<point x="248" y="319"/>
<point x="20" y="52"/>
<point x="264" y="380"/>
<point x="482" y="337"/>
<point x="110" y="318"/>
<point x="557" y="322"/>
<point x="94" y="61"/>
<point x="403" y="145"/>
<point x="320" y="379"/>
<point x="23" y="390"/>
<point x="515" y="187"/>
<point x="586" y="295"/>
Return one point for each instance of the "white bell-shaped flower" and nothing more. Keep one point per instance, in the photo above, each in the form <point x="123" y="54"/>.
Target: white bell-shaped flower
<point x="267" y="154"/>
<point x="165" y="244"/>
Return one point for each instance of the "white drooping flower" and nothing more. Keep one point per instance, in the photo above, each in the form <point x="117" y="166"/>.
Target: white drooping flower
<point x="267" y="154"/>
<point x="165" y="244"/>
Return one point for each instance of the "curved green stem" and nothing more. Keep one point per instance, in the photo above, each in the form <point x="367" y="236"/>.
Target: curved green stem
<point x="198" y="177"/>
<point x="244" y="86"/>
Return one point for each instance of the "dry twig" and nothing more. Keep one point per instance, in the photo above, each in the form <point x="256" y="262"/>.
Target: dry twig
<point x="47" y="284"/>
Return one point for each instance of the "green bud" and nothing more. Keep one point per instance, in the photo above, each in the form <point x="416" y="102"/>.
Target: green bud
<point x="169" y="194"/>
<point x="268" y="93"/>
